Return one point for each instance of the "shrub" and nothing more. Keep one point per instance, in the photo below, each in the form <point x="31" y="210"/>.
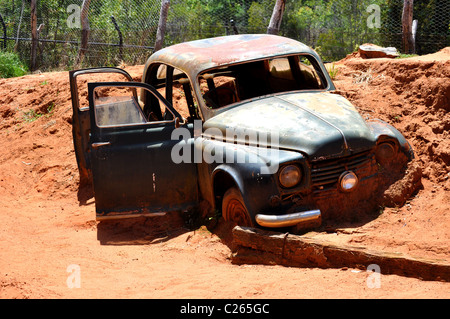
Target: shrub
<point x="11" y="66"/>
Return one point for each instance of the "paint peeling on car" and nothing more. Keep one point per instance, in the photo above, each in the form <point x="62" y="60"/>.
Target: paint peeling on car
<point x="320" y="133"/>
<point x="209" y="53"/>
<point x="312" y="123"/>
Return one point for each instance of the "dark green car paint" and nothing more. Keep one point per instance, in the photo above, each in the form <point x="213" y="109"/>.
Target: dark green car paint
<point x="318" y="131"/>
<point x="320" y="125"/>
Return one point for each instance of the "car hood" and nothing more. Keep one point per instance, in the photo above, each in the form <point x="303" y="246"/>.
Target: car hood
<point x="319" y="124"/>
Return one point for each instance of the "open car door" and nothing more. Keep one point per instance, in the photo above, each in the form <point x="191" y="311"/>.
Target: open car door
<point x="80" y="113"/>
<point x="129" y="152"/>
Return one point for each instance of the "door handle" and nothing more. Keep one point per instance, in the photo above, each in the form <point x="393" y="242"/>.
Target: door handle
<point x="100" y="144"/>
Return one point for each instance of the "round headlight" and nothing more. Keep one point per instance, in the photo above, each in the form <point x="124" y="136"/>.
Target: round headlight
<point x="385" y="152"/>
<point x="290" y="176"/>
<point x="348" y="181"/>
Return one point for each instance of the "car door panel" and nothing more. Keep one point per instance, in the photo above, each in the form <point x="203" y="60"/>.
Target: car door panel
<point x="81" y="118"/>
<point x="133" y="172"/>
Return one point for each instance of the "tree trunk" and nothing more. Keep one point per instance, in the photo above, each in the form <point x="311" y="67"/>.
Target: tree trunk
<point x="277" y="15"/>
<point x="4" y="31"/>
<point x="85" y="30"/>
<point x="34" y="35"/>
<point x="162" y="25"/>
<point x="407" y="19"/>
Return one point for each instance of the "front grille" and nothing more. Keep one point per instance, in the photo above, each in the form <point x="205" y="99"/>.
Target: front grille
<point x="325" y="174"/>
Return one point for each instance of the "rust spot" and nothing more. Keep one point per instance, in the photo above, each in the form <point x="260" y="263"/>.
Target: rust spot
<point x="208" y="53"/>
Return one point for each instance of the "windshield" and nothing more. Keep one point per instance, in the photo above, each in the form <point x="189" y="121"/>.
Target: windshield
<point x="230" y="84"/>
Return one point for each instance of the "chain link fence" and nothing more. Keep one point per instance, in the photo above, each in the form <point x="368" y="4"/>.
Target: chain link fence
<point x="124" y="31"/>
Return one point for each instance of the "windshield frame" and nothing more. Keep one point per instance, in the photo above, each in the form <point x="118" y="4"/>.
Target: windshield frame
<point x="316" y="63"/>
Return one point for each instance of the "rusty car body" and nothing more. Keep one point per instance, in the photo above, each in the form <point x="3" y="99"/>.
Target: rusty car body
<point x="165" y="143"/>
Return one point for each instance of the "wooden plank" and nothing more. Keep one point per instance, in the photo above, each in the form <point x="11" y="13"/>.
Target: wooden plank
<point x="256" y="246"/>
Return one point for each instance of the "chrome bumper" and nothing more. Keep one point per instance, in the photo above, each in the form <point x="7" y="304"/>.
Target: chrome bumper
<point x="287" y="219"/>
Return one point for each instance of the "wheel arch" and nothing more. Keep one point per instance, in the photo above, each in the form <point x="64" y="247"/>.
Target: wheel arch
<point x="223" y="178"/>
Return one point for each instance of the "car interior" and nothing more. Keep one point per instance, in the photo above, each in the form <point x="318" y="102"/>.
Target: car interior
<point x="223" y="86"/>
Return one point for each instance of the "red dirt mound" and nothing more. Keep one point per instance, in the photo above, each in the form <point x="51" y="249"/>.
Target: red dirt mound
<point x="45" y="227"/>
<point x="413" y="94"/>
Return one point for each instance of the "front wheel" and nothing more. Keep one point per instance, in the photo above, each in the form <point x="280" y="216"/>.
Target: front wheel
<point x="233" y="208"/>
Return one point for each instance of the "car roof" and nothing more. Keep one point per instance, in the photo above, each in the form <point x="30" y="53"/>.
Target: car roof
<point x="195" y="56"/>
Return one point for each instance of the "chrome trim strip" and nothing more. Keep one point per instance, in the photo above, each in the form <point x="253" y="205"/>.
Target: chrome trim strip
<point x="287" y="219"/>
<point x="100" y="144"/>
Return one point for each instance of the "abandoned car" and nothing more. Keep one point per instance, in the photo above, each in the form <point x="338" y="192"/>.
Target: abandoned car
<point x="247" y="126"/>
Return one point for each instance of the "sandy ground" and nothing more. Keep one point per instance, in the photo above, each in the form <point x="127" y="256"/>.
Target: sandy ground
<point x="52" y="247"/>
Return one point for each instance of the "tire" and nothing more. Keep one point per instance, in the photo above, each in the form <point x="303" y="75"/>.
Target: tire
<point x="234" y="209"/>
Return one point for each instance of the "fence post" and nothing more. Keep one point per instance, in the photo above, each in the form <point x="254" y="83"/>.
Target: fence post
<point x="407" y="18"/>
<point x="234" y="27"/>
<point x="18" y="27"/>
<point x="277" y="15"/>
<point x="4" y="31"/>
<point x="34" y="39"/>
<point x="162" y="24"/>
<point x="116" y="26"/>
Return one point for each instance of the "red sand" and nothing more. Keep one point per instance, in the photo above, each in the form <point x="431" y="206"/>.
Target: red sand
<point x="45" y="228"/>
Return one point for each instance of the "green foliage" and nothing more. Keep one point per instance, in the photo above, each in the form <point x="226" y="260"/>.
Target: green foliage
<point x="333" y="71"/>
<point x="31" y="115"/>
<point x="191" y="21"/>
<point x="259" y="15"/>
<point x="11" y="66"/>
<point x="337" y="27"/>
<point x="404" y="56"/>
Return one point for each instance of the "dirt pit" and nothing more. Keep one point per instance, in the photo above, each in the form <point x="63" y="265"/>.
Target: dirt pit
<point x="49" y="235"/>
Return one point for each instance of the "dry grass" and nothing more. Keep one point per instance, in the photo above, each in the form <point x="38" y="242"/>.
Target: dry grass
<point x="365" y="77"/>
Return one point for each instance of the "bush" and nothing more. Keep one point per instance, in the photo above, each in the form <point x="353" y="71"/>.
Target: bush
<point x="11" y="66"/>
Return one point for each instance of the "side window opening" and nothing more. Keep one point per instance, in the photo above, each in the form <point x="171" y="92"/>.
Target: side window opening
<point x="311" y="78"/>
<point x="281" y="75"/>
<point x="120" y="106"/>
<point x="152" y="108"/>
<point x="83" y="79"/>
<point x="117" y="106"/>
<point x="219" y="89"/>
<point x="184" y="99"/>
<point x="175" y="86"/>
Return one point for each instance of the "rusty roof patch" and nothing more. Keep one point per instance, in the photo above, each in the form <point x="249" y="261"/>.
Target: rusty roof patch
<point x="195" y="56"/>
